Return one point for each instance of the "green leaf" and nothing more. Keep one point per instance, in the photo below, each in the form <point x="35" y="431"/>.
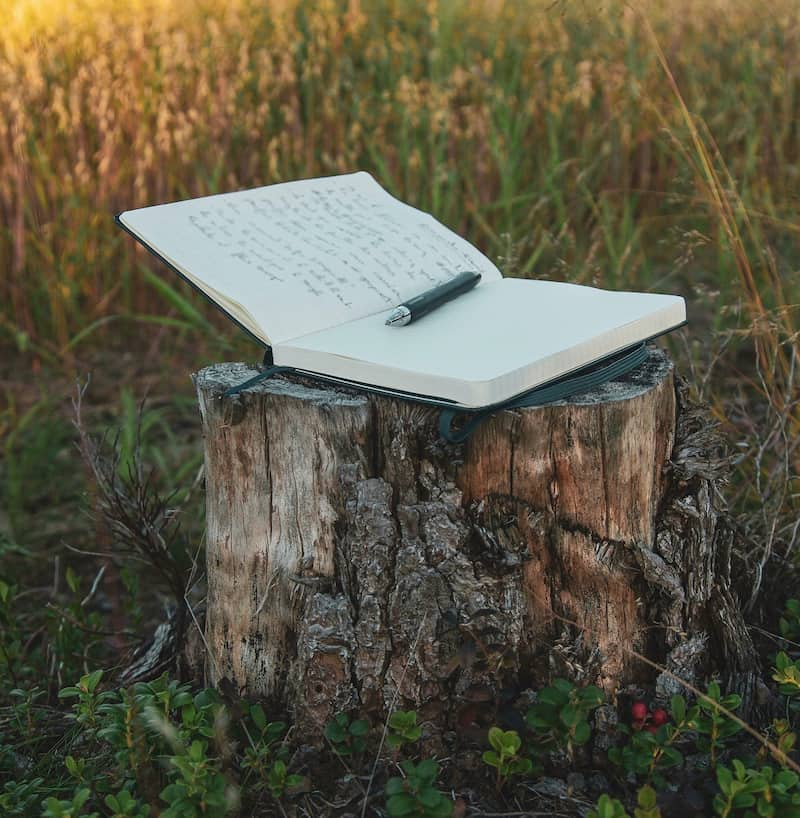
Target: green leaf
<point x="511" y="742"/>
<point x="91" y="680"/>
<point x="428" y="769"/>
<point x="582" y="733"/>
<point x="728" y="728"/>
<point x="181" y="700"/>
<point x="444" y="809"/>
<point x="537" y="722"/>
<point x="73" y="580"/>
<point x="570" y="715"/>
<point x="678" y="708"/>
<point x="429" y="798"/>
<point x="335" y="732"/>
<point x="591" y="696"/>
<point x="496" y="738"/>
<point x="646" y="797"/>
<point x="743" y="800"/>
<point x="68" y="692"/>
<point x="550" y="695"/>
<point x="787" y="779"/>
<point x="360" y="727"/>
<point x="401" y="805"/>
<point x="732" y="701"/>
<point x="402" y="719"/>
<point x="491" y="758"/>
<point x="764" y="808"/>
<point x="258" y="716"/>
<point x="606" y="807"/>
<point x="521" y="766"/>
<point x="294" y="780"/>
<point x="275" y="729"/>
<point x="196" y="750"/>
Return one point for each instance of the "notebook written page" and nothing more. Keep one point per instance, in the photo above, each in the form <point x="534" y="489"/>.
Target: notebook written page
<point x="295" y="258"/>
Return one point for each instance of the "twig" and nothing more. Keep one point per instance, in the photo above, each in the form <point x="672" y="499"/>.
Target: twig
<point x="93" y="590"/>
<point x="774" y="636"/>
<point x="107" y="555"/>
<point x="198" y="479"/>
<point x="412" y="654"/>
<point x="202" y="635"/>
<point x="56" y="573"/>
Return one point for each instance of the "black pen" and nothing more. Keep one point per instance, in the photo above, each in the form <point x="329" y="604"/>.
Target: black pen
<point x="422" y="304"/>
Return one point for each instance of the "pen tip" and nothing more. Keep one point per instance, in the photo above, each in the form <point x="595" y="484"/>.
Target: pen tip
<point x="399" y="317"/>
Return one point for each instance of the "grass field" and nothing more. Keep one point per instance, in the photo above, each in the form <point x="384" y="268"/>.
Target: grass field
<point x="549" y="134"/>
<point x="643" y="145"/>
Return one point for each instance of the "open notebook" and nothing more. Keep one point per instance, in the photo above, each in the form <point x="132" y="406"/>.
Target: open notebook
<point x="312" y="268"/>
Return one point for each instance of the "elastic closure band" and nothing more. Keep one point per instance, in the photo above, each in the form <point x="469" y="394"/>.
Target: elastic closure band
<point x="262" y="376"/>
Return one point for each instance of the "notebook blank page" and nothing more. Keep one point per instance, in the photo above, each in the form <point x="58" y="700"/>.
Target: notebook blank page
<point x="489" y="344"/>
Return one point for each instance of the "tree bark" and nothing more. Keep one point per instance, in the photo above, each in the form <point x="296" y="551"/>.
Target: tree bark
<point x="357" y="561"/>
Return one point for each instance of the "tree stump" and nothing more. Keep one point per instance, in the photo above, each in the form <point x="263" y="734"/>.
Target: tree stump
<point x="357" y="561"/>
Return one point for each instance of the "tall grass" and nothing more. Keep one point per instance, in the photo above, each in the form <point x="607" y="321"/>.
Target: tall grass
<point x="549" y="127"/>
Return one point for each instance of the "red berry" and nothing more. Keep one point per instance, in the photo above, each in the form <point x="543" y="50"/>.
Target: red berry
<point x="660" y="716"/>
<point x="651" y="728"/>
<point x="639" y="711"/>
